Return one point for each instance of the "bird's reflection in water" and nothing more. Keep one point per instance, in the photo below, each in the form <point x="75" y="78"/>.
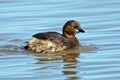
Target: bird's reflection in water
<point x="68" y="61"/>
<point x="70" y="69"/>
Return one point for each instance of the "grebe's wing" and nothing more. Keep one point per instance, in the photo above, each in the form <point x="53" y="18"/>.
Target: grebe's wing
<point x="48" y="35"/>
<point x="54" y="37"/>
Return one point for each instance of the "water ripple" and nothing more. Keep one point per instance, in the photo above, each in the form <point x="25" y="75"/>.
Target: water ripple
<point x="97" y="59"/>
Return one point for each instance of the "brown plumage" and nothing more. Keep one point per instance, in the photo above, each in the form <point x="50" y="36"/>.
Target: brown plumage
<point x="52" y="41"/>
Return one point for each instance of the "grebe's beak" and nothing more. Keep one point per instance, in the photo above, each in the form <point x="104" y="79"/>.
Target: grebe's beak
<point x="79" y="30"/>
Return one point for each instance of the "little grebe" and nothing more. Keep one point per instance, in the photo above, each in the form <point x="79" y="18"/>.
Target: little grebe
<point x="53" y="42"/>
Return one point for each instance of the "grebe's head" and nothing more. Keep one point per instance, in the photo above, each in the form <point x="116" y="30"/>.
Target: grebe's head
<point x="72" y="27"/>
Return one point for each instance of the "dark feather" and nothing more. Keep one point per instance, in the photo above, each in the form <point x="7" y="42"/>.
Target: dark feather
<point x="55" y="37"/>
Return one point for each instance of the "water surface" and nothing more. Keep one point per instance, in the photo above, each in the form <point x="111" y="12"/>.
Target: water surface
<point x="20" y="19"/>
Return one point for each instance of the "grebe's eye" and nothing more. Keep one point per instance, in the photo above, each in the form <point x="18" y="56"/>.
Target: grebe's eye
<point x="75" y="27"/>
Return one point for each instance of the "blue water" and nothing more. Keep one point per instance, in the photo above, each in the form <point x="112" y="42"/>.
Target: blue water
<point x="20" y="19"/>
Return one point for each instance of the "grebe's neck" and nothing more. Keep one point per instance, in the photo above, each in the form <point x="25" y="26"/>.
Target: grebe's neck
<point x="72" y="38"/>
